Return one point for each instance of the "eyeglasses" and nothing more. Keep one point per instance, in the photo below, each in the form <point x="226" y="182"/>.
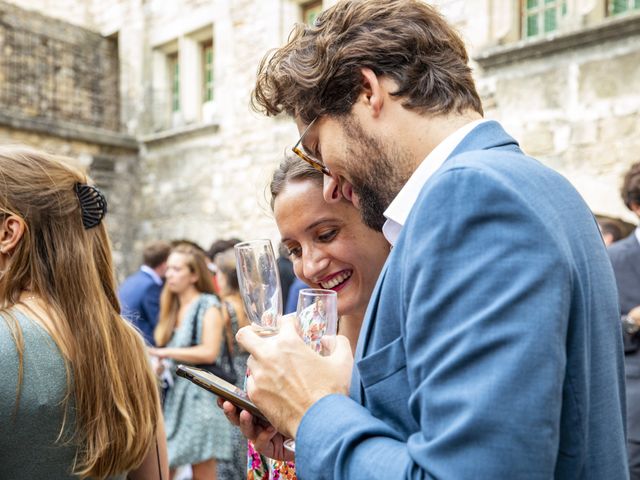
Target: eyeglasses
<point x="298" y="149"/>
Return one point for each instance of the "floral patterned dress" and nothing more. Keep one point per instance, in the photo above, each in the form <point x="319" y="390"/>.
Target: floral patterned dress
<point x="262" y="468"/>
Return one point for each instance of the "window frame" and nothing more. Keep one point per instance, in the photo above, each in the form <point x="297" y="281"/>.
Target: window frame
<point x="560" y="7"/>
<point x="313" y="7"/>
<point x="631" y="7"/>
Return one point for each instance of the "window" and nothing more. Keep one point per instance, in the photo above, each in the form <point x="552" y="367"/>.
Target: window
<point x="620" y="6"/>
<point x="310" y="12"/>
<point x="542" y="16"/>
<point x="207" y="72"/>
<point x="174" y="81"/>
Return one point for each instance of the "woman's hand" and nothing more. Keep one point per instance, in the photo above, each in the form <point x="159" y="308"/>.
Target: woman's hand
<point x="157" y="352"/>
<point x="266" y="439"/>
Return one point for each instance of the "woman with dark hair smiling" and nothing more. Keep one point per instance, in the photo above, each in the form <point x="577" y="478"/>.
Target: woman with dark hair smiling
<point x="330" y="248"/>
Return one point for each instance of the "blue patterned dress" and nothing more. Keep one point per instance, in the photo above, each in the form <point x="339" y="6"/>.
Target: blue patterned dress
<point x="197" y="429"/>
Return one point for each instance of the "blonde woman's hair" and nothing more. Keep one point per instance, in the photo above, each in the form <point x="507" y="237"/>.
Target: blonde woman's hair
<point x="115" y="405"/>
<point x="169" y="304"/>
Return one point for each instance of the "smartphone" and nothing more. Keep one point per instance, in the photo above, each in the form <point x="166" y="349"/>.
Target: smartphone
<point x="220" y="387"/>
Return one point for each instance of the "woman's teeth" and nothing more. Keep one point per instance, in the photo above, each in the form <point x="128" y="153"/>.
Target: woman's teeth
<point x="337" y="280"/>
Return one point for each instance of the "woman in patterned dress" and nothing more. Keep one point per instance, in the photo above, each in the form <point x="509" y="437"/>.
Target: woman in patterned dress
<point x="324" y="241"/>
<point x="191" y="330"/>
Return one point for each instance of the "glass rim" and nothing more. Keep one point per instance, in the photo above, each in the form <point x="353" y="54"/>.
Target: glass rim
<point x="250" y="243"/>
<point x="317" y="291"/>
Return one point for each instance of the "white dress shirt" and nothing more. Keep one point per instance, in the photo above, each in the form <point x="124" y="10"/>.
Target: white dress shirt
<point x="152" y="273"/>
<point x="398" y="211"/>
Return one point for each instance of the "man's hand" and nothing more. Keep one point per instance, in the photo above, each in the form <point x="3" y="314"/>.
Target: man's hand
<point x="287" y="377"/>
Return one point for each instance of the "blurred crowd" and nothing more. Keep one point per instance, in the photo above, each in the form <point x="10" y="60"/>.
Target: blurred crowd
<point x="184" y="296"/>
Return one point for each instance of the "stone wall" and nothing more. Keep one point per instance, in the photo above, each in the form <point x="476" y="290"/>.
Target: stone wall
<point x="216" y="173"/>
<point x="571" y="99"/>
<point x="59" y="92"/>
<point x="574" y="103"/>
<point x="52" y="70"/>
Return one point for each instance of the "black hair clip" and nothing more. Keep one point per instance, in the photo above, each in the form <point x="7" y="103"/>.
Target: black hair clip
<point x="92" y="204"/>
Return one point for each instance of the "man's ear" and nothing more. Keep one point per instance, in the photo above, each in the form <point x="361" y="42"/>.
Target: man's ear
<point x="372" y="91"/>
<point x="11" y="232"/>
<point x="635" y="208"/>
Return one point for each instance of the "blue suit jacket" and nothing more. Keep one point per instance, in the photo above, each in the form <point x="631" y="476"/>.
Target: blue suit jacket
<point x="491" y="348"/>
<point x="140" y="300"/>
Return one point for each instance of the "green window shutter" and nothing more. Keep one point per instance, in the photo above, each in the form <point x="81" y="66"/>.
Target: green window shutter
<point x="550" y="23"/>
<point x="532" y="25"/>
<point x="175" y="86"/>
<point x="207" y="69"/>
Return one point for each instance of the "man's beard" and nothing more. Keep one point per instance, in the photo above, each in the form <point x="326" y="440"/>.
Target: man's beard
<point x="376" y="174"/>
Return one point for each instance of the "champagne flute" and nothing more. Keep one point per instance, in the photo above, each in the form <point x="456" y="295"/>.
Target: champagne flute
<point x="317" y="324"/>
<point x="259" y="282"/>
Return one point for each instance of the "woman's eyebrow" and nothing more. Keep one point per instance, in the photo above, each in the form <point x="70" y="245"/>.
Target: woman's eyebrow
<point x="321" y="221"/>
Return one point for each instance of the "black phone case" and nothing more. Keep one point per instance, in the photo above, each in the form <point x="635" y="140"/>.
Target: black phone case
<point x="200" y="378"/>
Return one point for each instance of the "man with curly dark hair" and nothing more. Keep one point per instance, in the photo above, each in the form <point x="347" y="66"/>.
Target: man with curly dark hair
<point x="491" y="347"/>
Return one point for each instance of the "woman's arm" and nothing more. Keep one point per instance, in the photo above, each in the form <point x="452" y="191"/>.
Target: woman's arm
<point x="208" y="349"/>
<point x="156" y="463"/>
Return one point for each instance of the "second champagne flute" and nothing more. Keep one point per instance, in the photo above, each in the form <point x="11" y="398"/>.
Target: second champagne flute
<point x="317" y="324"/>
<point x="259" y="283"/>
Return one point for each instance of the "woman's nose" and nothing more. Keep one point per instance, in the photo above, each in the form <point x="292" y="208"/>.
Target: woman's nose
<point x="315" y="265"/>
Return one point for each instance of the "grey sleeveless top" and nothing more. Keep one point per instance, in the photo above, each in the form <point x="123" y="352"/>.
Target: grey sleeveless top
<point x="28" y="433"/>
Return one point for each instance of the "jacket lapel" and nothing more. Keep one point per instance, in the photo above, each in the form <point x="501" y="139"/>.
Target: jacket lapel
<point x="365" y="334"/>
<point x="485" y="136"/>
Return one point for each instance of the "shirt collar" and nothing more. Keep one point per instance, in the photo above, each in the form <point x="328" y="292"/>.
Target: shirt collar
<point x="399" y="209"/>
<point x="152" y="273"/>
<point x="637" y="232"/>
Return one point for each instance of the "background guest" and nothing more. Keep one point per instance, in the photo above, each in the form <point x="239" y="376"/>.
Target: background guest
<point x="140" y="293"/>
<point x="191" y="330"/>
<point x="285" y="270"/>
<point x="217" y="247"/>
<point x="625" y="258"/>
<point x="77" y="396"/>
<point x="611" y="231"/>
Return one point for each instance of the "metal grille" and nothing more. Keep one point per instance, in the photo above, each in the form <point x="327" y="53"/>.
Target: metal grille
<point x="50" y="78"/>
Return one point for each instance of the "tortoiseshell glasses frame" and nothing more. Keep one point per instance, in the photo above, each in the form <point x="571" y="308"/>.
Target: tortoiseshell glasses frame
<point x="298" y="149"/>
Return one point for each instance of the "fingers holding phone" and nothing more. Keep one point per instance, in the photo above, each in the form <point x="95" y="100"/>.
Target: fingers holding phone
<point x="266" y="440"/>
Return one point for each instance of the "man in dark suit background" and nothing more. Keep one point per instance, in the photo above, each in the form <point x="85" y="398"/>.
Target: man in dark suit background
<point x="140" y="293"/>
<point x="625" y="258"/>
